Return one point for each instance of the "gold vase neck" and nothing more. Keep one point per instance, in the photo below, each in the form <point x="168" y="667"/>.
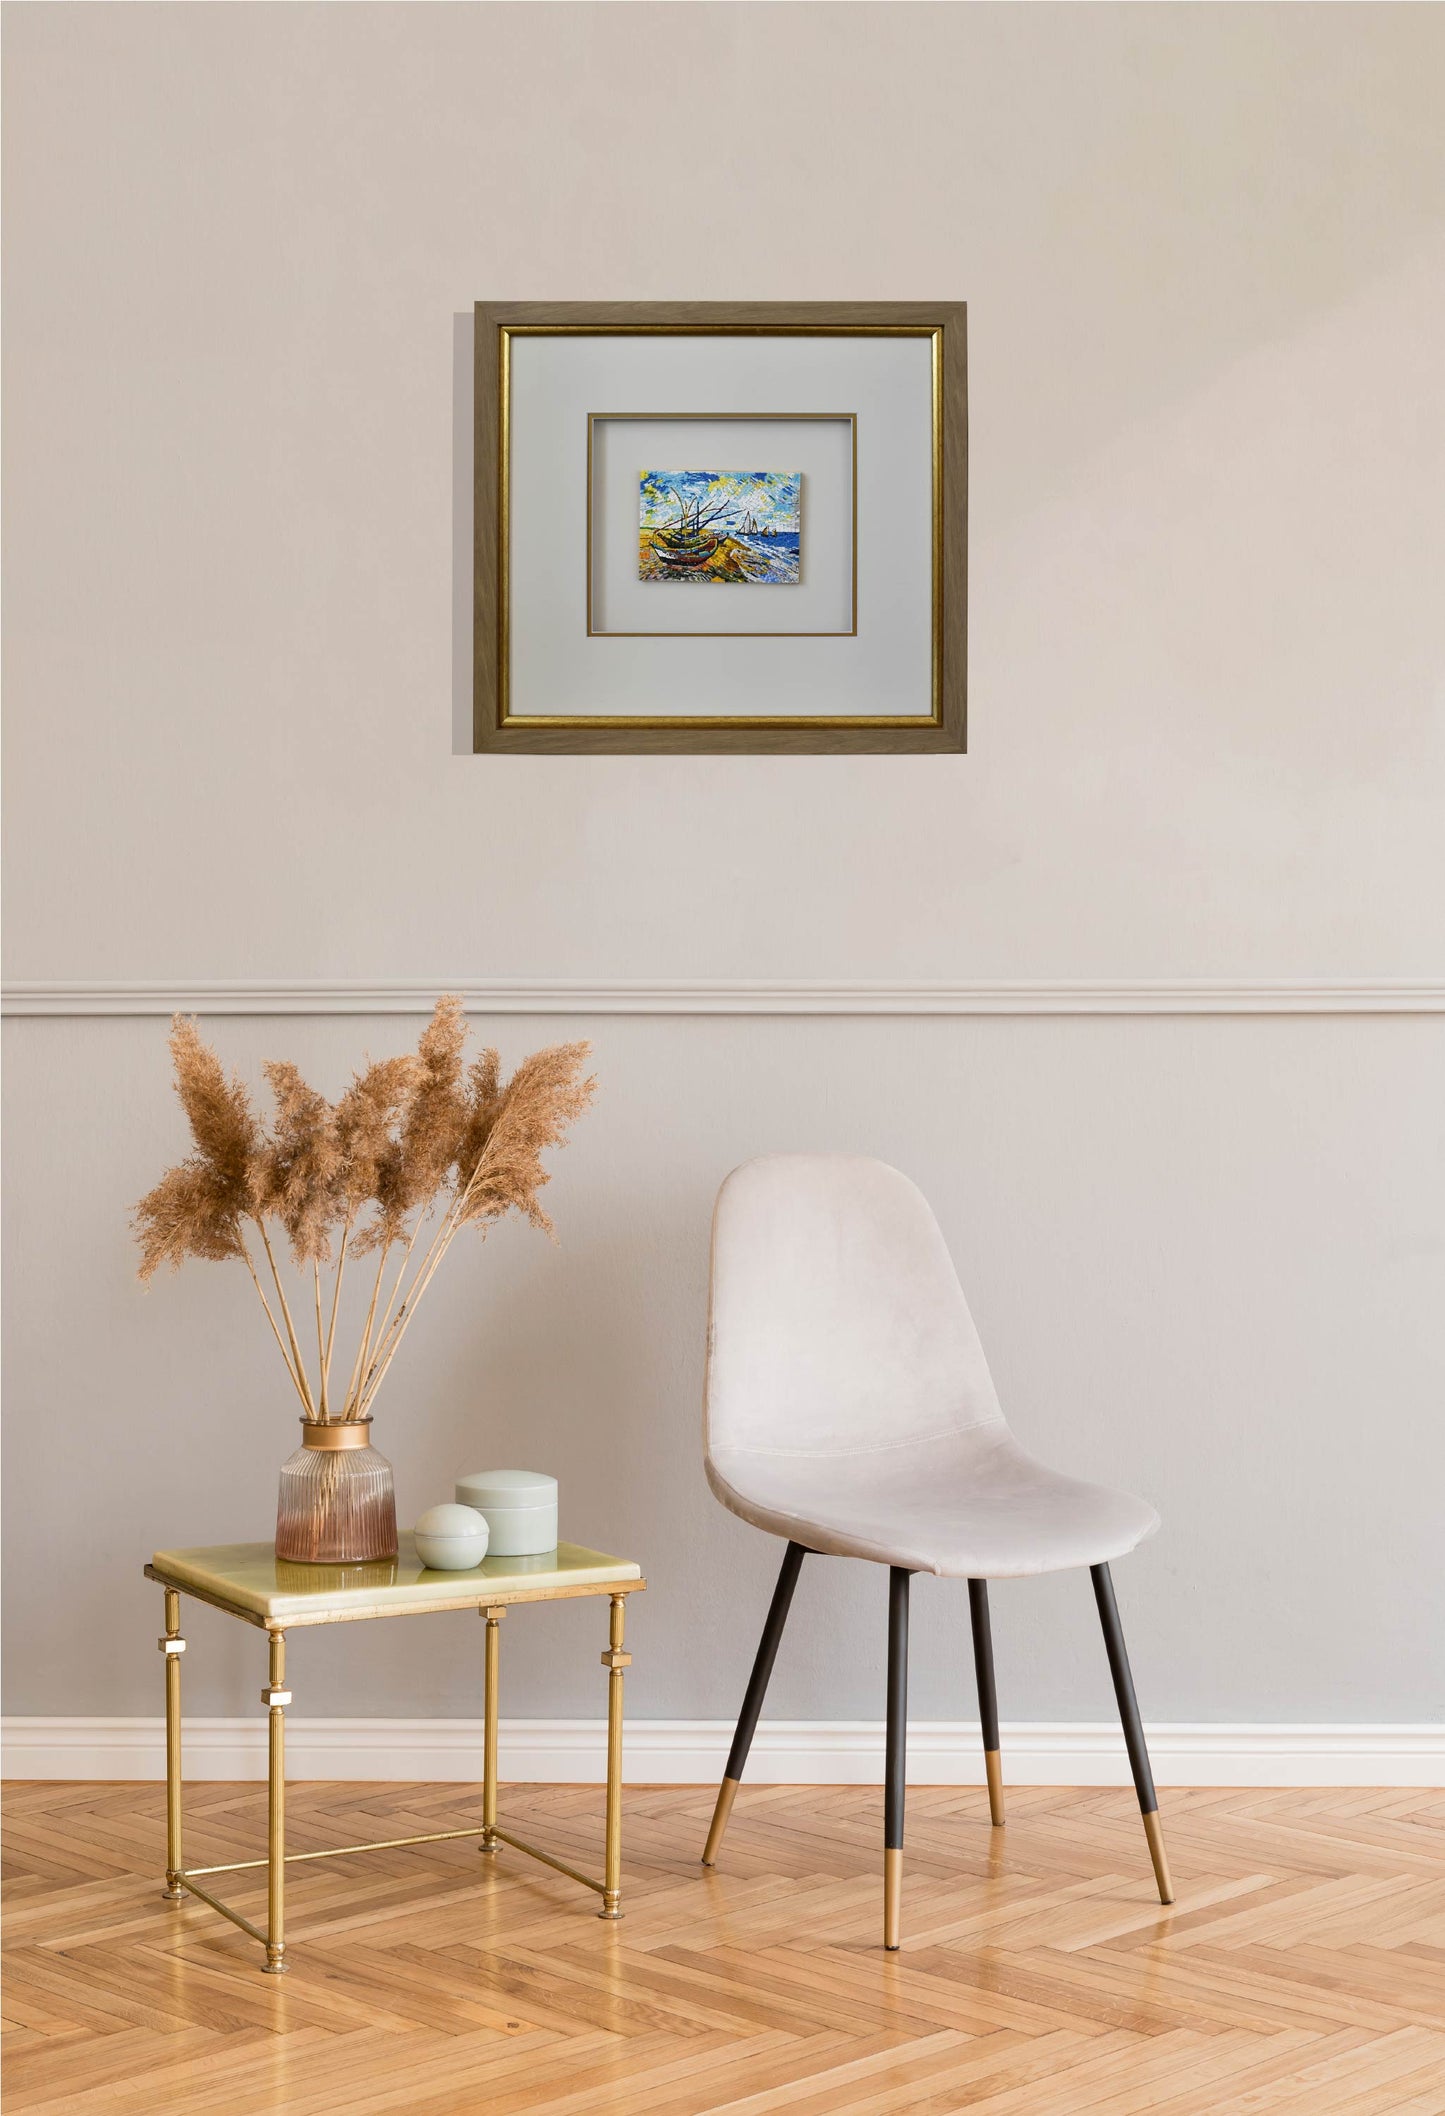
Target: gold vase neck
<point x="346" y="1432"/>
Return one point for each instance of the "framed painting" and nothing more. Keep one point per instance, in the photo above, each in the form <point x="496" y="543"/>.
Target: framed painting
<point x="706" y="526"/>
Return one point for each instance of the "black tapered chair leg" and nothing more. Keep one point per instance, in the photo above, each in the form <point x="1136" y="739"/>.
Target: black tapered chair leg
<point x="987" y="1696"/>
<point x="1133" y="1727"/>
<point x="896" y="1769"/>
<point x="757" y="1690"/>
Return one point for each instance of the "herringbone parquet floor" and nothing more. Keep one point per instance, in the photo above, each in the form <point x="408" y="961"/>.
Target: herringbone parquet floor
<point x="1302" y="1968"/>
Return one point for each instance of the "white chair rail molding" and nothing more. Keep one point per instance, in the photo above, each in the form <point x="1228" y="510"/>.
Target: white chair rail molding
<point x="56" y="997"/>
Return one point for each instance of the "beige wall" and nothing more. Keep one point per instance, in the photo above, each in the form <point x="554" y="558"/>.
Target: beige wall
<point x="1203" y="253"/>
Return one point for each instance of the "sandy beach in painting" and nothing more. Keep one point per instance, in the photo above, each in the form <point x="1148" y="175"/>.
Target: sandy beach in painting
<point x="735" y="559"/>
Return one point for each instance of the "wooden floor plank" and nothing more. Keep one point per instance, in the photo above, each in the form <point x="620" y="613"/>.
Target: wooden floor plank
<point x="1302" y="1968"/>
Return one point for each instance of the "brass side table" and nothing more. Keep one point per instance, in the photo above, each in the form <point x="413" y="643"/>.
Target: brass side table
<point x="248" y="1581"/>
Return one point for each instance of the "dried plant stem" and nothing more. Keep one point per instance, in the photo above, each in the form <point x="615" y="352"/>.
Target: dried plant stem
<point x="445" y="1230"/>
<point x="412" y="1302"/>
<point x="426" y="1271"/>
<point x="386" y="1308"/>
<point x="300" y="1363"/>
<point x="403" y="1317"/>
<point x="335" y="1307"/>
<point x="358" y="1365"/>
<point x="320" y="1336"/>
<point x="280" y="1342"/>
<point x="395" y="1329"/>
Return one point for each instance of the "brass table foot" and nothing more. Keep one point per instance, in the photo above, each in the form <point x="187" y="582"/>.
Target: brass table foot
<point x="611" y="1907"/>
<point x="172" y="1892"/>
<point x="275" y="1962"/>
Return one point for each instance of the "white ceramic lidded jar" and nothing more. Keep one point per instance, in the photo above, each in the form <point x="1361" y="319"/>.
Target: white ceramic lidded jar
<point x="520" y="1508"/>
<point x="451" y="1539"/>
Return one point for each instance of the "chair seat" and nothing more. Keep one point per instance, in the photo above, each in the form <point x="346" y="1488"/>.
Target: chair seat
<point x="966" y="1505"/>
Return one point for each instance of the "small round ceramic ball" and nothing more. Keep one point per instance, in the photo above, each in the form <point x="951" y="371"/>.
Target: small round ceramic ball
<point x="451" y="1538"/>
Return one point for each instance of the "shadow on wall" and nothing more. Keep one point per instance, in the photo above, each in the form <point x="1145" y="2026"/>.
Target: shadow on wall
<point x="463" y="437"/>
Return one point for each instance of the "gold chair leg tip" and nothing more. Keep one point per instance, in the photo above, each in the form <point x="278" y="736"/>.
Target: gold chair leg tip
<point x="726" y="1794"/>
<point x="892" y="1899"/>
<point x="993" y="1768"/>
<point x="1159" y="1858"/>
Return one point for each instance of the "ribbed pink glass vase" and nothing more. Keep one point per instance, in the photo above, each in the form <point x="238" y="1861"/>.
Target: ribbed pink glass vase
<point x="336" y="1504"/>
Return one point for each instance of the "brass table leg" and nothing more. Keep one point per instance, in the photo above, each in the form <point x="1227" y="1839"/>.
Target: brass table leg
<point x="614" y="1660"/>
<point x="490" y="1689"/>
<point x="173" y="1646"/>
<point x="276" y="1697"/>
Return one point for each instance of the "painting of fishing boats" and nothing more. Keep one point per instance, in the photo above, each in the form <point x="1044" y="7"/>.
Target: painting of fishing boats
<point x="738" y="527"/>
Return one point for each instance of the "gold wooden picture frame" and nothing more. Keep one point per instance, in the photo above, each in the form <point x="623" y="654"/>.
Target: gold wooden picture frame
<point x="498" y="726"/>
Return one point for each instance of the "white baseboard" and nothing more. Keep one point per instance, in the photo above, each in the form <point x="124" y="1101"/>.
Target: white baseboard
<point x="693" y="1752"/>
<point x="561" y="995"/>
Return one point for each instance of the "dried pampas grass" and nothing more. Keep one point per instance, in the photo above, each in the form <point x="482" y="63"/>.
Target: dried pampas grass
<point x="415" y="1138"/>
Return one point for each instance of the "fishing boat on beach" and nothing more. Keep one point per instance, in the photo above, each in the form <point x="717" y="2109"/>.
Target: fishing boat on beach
<point x="682" y="557"/>
<point x="686" y="544"/>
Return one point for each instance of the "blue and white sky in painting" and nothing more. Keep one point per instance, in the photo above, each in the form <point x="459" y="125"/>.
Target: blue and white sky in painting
<point x="770" y="496"/>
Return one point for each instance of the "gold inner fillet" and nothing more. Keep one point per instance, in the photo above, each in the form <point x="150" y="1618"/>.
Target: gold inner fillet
<point x="506" y="333"/>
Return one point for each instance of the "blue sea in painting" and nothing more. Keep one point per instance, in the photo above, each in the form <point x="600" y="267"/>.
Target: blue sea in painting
<point x="776" y="555"/>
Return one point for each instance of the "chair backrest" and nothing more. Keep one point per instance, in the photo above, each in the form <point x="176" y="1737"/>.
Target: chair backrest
<point x="837" y="1324"/>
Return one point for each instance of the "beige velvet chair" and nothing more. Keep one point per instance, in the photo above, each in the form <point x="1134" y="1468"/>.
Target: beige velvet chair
<point x="849" y="1410"/>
